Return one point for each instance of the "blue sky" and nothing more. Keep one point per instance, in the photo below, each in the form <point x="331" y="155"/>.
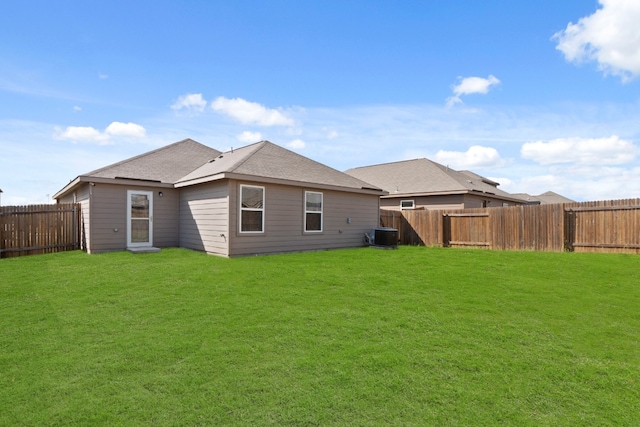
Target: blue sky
<point x="538" y="95"/>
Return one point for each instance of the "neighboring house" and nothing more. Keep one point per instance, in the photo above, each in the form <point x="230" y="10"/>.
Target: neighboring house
<point x="257" y="199"/>
<point x="425" y="184"/>
<point x="548" y="198"/>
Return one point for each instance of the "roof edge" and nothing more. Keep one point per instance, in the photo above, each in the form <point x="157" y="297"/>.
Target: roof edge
<point x="268" y="180"/>
<point x="116" y="181"/>
<point x="453" y="192"/>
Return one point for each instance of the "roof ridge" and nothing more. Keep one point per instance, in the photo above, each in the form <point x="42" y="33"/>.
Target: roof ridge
<point x="391" y="163"/>
<point x="454" y="175"/>
<point x="199" y="166"/>
<point x="146" y="153"/>
<point x="249" y="155"/>
<point x="267" y="143"/>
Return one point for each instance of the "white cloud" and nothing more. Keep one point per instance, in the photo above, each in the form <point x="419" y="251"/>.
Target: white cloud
<point x="76" y="109"/>
<point x="126" y="130"/>
<point x="250" y="112"/>
<point x="82" y="134"/>
<point x="190" y="102"/>
<point x="103" y="76"/>
<point x="583" y="183"/>
<point x="584" y="151"/>
<point x="475" y="157"/>
<point x="332" y="134"/>
<point x="249" y="137"/>
<point x="366" y="135"/>
<point x="505" y="183"/>
<point x="90" y="134"/>
<point x="471" y="85"/>
<point x="610" y="36"/>
<point x="297" y="144"/>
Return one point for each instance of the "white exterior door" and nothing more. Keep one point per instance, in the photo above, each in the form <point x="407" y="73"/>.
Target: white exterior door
<point x="139" y="218"/>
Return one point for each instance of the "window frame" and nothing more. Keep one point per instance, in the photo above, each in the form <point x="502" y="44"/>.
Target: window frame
<point x="320" y="212"/>
<point x="403" y="208"/>
<point x="242" y="209"/>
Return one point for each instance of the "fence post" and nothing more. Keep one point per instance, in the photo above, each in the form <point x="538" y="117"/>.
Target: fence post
<point x="75" y="226"/>
<point x="446" y="230"/>
<point x="1" y="232"/>
<point x="569" y="229"/>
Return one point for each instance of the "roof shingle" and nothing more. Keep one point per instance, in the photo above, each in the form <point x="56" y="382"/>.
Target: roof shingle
<point x="167" y="164"/>
<point x="267" y="160"/>
<point x="423" y="176"/>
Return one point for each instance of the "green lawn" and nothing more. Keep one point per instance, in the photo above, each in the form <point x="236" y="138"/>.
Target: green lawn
<point x="415" y="336"/>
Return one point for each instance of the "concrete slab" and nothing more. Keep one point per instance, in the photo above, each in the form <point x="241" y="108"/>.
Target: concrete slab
<point x="143" y="250"/>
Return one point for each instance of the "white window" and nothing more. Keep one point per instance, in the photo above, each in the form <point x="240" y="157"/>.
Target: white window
<point x="407" y="204"/>
<point x="312" y="211"/>
<point x="251" y="209"/>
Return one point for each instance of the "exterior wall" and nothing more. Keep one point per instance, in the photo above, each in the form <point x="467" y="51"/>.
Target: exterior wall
<point x="450" y="201"/>
<point x="81" y="195"/>
<point x="204" y="218"/>
<point x="474" y="201"/>
<point x="85" y="224"/>
<point x="108" y="217"/>
<point x="284" y="221"/>
<point x="165" y="217"/>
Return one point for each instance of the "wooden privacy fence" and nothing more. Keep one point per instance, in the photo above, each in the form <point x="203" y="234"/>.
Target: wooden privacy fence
<point x="604" y="226"/>
<point x="39" y="229"/>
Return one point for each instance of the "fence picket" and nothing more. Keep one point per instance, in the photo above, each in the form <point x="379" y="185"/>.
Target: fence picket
<point x="602" y="226"/>
<point x="38" y="229"/>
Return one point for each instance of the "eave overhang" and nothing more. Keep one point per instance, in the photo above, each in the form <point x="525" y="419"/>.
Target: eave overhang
<point x="74" y="183"/>
<point x="453" y="192"/>
<point x="268" y="180"/>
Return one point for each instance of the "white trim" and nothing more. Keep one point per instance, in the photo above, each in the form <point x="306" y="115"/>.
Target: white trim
<point x="413" y="204"/>
<point x="321" y="211"/>
<point x="241" y="209"/>
<point x="149" y="195"/>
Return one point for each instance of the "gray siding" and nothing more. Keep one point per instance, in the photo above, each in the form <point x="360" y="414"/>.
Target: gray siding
<point x="284" y="221"/>
<point x="204" y="218"/>
<point x="85" y="225"/>
<point x="450" y="201"/>
<point x="165" y="218"/>
<point x="108" y="217"/>
<point x="453" y="201"/>
<point x="474" y="201"/>
<point x="82" y="197"/>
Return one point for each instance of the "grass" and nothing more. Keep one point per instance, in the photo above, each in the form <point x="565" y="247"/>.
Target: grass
<point x="417" y="336"/>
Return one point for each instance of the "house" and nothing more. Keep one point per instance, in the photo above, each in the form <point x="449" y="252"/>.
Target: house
<point x="257" y="199"/>
<point x="548" y="198"/>
<point x="425" y="184"/>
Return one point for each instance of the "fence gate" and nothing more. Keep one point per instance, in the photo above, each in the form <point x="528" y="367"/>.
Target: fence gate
<point x="466" y="230"/>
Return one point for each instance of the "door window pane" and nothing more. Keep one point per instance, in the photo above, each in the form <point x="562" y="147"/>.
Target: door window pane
<point x="139" y="230"/>
<point x="139" y="206"/>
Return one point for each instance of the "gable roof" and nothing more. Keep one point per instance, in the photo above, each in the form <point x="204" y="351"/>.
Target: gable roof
<point x="267" y="161"/>
<point x="162" y="166"/>
<point x="426" y="177"/>
<point x="188" y="162"/>
<point x="167" y="164"/>
<point x="547" y="198"/>
<point x="475" y="176"/>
